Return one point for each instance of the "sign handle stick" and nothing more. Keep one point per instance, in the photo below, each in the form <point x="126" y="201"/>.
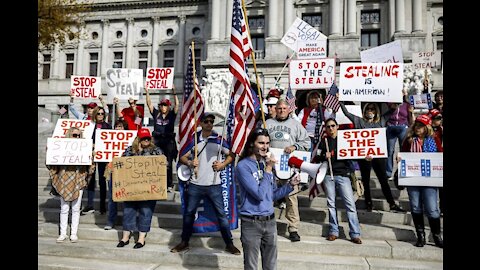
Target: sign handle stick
<point x="329" y="159"/>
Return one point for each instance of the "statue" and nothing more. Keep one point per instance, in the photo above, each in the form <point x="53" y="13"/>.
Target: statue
<point x="218" y="84"/>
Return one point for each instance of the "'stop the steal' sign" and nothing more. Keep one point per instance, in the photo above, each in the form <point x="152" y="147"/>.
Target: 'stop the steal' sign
<point x="300" y="30"/>
<point x="85" y="86"/>
<point x="312" y="73"/>
<point x="361" y="143"/>
<point x="159" y="78"/>
<point x="124" y="83"/>
<point x="139" y="178"/>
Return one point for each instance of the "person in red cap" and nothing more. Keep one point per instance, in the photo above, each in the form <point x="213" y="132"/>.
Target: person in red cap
<point x="133" y="115"/>
<point x="90" y="107"/>
<point x="163" y="130"/>
<point x="141" y="146"/>
<point x="437" y="126"/>
<point x="423" y="199"/>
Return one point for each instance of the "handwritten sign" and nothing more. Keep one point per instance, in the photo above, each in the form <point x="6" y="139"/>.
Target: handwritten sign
<point x="423" y="101"/>
<point x="85" y="86"/>
<point x="312" y="73"/>
<point x="159" y="78"/>
<point x="112" y="143"/>
<point x="139" y="178"/>
<point x="63" y="125"/>
<point x="300" y="30"/>
<point x="386" y="53"/>
<point x="381" y="82"/>
<point x="282" y="170"/>
<point x="311" y="49"/>
<point x="124" y="83"/>
<point x="360" y="143"/>
<point x="422" y="60"/>
<point x="420" y="169"/>
<point x="69" y="151"/>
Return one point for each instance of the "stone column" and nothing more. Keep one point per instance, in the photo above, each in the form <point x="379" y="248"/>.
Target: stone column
<point x="79" y="61"/>
<point x="391" y="18"/>
<point x="155" y="56"/>
<point x="335" y="16"/>
<point x="56" y="62"/>
<point x="215" y="17"/>
<point x="273" y="19"/>
<point x="417" y="16"/>
<point x="130" y="25"/>
<point x="399" y="16"/>
<point x="179" y="63"/>
<point x="103" y="63"/>
<point x="228" y="23"/>
<point x="289" y="14"/>
<point x="351" y="17"/>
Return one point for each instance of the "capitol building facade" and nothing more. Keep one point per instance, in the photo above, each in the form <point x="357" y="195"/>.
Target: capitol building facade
<point x="158" y="33"/>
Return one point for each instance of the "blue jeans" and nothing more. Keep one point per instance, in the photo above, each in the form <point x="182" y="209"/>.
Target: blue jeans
<point x="112" y="206"/>
<point x="394" y="133"/>
<point x="259" y="236"/>
<point x="345" y="188"/>
<point x="195" y="194"/>
<point x="424" y="199"/>
<point x="144" y="209"/>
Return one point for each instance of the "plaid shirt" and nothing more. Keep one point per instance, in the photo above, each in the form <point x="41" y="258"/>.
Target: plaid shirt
<point x="69" y="180"/>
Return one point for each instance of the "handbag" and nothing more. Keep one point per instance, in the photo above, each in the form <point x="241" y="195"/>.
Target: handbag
<point x="357" y="185"/>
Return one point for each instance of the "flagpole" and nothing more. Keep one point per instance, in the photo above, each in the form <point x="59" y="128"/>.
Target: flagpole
<point x="192" y="49"/>
<point x="284" y="66"/>
<point x="329" y="159"/>
<point x="252" y="53"/>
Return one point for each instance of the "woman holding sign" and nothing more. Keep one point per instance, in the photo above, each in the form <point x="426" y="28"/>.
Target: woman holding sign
<point x="142" y="146"/>
<point x="69" y="181"/>
<point x="372" y="119"/>
<point x="420" y="138"/>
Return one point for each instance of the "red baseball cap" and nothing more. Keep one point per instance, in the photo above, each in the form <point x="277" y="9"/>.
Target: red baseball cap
<point x="274" y="93"/>
<point x="92" y="105"/>
<point x="434" y="112"/>
<point x="165" y="101"/>
<point x="144" y="133"/>
<point x="424" y="119"/>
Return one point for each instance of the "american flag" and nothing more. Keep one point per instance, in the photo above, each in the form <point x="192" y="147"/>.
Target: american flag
<point x="187" y="119"/>
<point x="331" y="101"/>
<point x="291" y="99"/>
<point x="240" y="48"/>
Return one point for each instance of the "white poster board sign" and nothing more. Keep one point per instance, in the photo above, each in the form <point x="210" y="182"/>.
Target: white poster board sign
<point x="110" y="143"/>
<point x="353" y="109"/>
<point x="420" y="169"/>
<point x="282" y="170"/>
<point x="300" y="30"/>
<point x="423" y="60"/>
<point x="386" y="53"/>
<point x="159" y="78"/>
<point x="360" y="143"/>
<point x="311" y="49"/>
<point x="423" y="101"/>
<point x="375" y="82"/>
<point x="124" y="83"/>
<point x="69" y="151"/>
<point x="312" y="73"/>
<point x="63" y="125"/>
<point x="85" y="86"/>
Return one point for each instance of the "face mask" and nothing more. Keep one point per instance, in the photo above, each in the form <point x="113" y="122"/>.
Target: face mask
<point x="369" y="115"/>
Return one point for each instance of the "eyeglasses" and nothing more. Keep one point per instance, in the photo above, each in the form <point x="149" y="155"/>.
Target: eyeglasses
<point x="100" y="113"/>
<point x="370" y="109"/>
<point x="74" y="135"/>
<point x="163" y="104"/>
<point x="145" y="139"/>
<point x="331" y="126"/>
<point x="208" y="121"/>
<point x="270" y="105"/>
<point x="437" y="118"/>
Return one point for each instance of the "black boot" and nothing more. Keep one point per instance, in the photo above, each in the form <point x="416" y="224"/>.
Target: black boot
<point x="420" y="229"/>
<point x="435" y="228"/>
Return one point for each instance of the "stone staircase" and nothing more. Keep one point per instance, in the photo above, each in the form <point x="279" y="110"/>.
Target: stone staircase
<point x="387" y="237"/>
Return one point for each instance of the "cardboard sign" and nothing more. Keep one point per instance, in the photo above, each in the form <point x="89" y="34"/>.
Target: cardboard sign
<point x="139" y="178"/>
<point x="110" y="143"/>
<point x="423" y="101"/>
<point x="63" y="125"/>
<point x="69" y="151"/>
<point x="85" y="86"/>
<point x="311" y="49"/>
<point x="300" y="30"/>
<point x="159" y="78"/>
<point x="386" y="53"/>
<point x="371" y="82"/>
<point x="124" y="83"/>
<point x="420" y="169"/>
<point x="312" y="73"/>
<point x="353" y="109"/>
<point x="282" y="170"/>
<point x="423" y="60"/>
<point x="360" y="143"/>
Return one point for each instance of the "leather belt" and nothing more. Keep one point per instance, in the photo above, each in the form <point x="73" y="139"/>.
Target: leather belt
<point x="259" y="218"/>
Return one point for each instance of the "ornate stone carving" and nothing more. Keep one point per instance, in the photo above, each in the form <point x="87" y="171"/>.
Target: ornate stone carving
<point x="106" y="22"/>
<point x="414" y="80"/>
<point x="216" y="90"/>
<point x="182" y="18"/>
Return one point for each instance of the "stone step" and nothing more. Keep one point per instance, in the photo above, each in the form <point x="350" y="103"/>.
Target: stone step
<point x="309" y="244"/>
<point x="52" y="262"/>
<point x="385" y="231"/>
<point x="207" y="257"/>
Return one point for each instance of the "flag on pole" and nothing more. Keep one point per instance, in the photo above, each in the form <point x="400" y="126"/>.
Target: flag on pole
<point x="291" y="99"/>
<point x="187" y="119"/>
<point x="331" y="100"/>
<point x="240" y="49"/>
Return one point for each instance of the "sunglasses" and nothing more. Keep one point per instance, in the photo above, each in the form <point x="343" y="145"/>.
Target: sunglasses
<point x="370" y="109"/>
<point x="331" y="126"/>
<point x="76" y="135"/>
<point x="100" y="113"/>
<point x="437" y="118"/>
<point x="131" y="103"/>
<point x="208" y="121"/>
<point x="145" y="139"/>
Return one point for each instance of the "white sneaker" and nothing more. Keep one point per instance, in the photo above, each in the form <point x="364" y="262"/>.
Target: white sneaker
<point x="108" y="227"/>
<point x="73" y="238"/>
<point x="61" y="238"/>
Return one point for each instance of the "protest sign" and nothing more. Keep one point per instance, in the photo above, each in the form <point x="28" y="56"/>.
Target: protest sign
<point x="312" y="73"/>
<point x="63" y="125"/>
<point x="159" y="78"/>
<point x="85" y="86"/>
<point x="423" y="101"/>
<point x="420" y="169"/>
<point x="110" y="143"/>
<point x="360" y="143"/>
<point x="387" y="53"/>
<point x="282" y="170"/>
<point x="300" y="30"/>
<point x="311" y="49"/>
<point x="69" y="151"/>
<point x="124" y="83"/>
<point x="423" y="60"/>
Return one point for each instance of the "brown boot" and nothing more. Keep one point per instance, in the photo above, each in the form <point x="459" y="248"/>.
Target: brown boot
<point x="183" y="246"/>
<point x="232" y="249"/>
